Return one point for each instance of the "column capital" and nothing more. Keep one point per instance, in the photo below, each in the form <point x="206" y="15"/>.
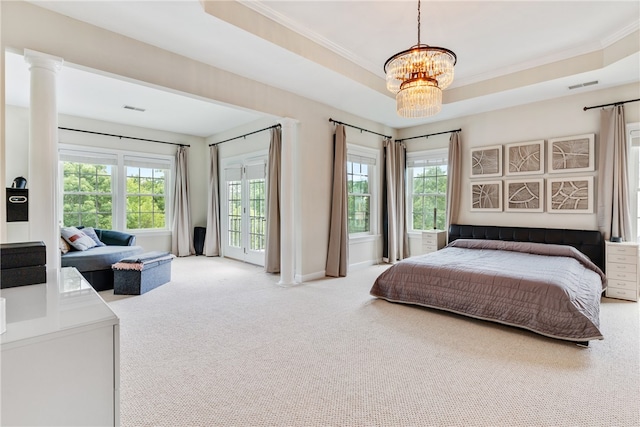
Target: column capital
<point x="287" y="122"/>
<point x="43" y="60"/>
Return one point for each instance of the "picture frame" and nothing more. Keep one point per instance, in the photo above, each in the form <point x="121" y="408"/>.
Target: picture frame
<point x="570" y="195"/>
<point x="524" y="195"/>
<point x="486" y="162"/>
<point x="571" y="154"/>
<point x="524" y="158"/>
<point x="486" y="196"/>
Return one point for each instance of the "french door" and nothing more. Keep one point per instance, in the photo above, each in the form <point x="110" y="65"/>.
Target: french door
<point x="244" y="221"/>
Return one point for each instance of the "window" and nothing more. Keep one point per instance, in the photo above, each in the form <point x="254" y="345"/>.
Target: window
<point x="427" y="189"/>
<point x="361" y="165"/>
<point x="110" y="190"/>
<point x="146" y="191"/>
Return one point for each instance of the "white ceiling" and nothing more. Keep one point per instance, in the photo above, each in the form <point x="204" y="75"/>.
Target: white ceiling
<point x="492" y="40"/>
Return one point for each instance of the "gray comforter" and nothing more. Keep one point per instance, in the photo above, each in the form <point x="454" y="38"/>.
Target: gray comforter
<point x="553" y="290"/>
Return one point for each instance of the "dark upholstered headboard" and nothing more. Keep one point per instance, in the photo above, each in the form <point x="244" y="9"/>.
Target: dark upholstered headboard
<point x="589" y="242"/>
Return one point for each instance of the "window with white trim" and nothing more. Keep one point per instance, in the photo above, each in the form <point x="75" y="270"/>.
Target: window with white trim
<point x="115" y="190"/>
<point x="427" y="189"/>
<point x="361" y="190"/>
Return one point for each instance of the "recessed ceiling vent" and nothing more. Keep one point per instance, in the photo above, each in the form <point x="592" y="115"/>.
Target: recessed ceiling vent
<point x="129" y="107"/>
<point x="595" y="82"/>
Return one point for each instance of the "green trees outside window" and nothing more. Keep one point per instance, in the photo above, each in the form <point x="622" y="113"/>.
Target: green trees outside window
<point x="87" y="195"/>
<point x="358" y="198"/>
<point x="429" y="192"/>
<point x="145" y="198"/>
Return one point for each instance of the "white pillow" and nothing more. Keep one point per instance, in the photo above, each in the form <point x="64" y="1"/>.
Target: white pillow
<point x="77" y="239"/>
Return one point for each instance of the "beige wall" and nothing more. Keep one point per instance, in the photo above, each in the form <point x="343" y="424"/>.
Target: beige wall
<point x="541" y="120"/>
<point x="27" y="26"/>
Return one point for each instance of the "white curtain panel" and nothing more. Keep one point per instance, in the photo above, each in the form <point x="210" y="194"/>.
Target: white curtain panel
<point x="614" y="217"/>
<point x="212" y="236"/>
<point x="338" y="238"/>
<point x="454" y="166"/>
<point x="395" y="167"/>
<point x="272" y="252"/>
<point x="182" y="239"/>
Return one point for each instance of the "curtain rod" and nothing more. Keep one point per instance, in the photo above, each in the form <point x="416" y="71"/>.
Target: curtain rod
<point x="122" y="136"/>
<point x="428" y="135"/>
<point x="246" y="134"/>
<point x="608" y="105"/>
<point x="360" y="129"/>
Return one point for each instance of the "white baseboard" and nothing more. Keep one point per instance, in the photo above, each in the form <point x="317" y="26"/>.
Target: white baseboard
<point x="364" y="264"/>
<point x="309" y="277"/>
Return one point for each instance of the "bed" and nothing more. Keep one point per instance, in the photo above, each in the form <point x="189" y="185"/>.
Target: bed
<point x="548" y="281"/>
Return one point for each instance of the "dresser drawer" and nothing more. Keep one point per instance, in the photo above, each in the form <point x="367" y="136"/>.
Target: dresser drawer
<point x="616" y="266"/>
<point x="623" y="259"/>
<point x="622" y="284"/>
<point x="620" y="249"/>
<point x="429" y="248"/>
<point x="628" y="276"/>
<point x="622" y="293"/>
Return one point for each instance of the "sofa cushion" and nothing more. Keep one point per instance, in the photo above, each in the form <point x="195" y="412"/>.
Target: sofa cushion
<point x="89" y="231"/>
<point x="98" y="258"/>
<point x="77" y="239"/>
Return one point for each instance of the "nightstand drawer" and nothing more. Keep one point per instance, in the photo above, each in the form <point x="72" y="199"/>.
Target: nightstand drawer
<point x="618" y="267"/>
<point x="621" y="249"/>
<point x="429" y="248"/>
<point x="430" y="237"/>
<point x="621" y="284"/>
<point x="623" y="259"/>
<point x="622" y="293"/>
<point x="629" y="276"/>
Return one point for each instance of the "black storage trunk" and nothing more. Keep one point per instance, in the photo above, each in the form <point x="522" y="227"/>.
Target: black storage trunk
<point x="22" y="264"/>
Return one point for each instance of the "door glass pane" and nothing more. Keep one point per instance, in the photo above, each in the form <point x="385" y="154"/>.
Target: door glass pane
<point x="257" y="218"/>
<point x="234" y="195"/>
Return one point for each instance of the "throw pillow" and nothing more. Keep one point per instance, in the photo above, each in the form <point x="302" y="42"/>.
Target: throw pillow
<point x="89" y="231"/>
<point x="77" y="239"/>
<point x="64" y="246"/>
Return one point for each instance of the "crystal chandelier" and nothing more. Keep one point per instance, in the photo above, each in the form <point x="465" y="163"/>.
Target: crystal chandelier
<point x="418" y="75"/>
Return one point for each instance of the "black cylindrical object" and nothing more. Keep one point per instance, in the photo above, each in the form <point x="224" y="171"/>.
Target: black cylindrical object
<point x="198" y="239"/>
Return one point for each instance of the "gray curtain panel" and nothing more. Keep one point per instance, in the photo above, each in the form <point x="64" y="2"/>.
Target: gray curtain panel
<point x="614" y="217"/>
<point x="212" y="236"/>
<point x="338" y="236"/>
<point x="182" y="239"/>
<point x="395" y="167"/>
<point x="272" y="252"/>
<point x="454" y="166"/>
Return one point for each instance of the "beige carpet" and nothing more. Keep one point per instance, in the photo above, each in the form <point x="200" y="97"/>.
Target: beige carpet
<point x="223" y="345"/>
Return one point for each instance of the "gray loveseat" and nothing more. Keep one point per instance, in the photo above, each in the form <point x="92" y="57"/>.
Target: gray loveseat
<point x="95" y="263"/>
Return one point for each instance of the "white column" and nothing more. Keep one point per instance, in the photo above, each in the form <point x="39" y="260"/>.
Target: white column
<point x="287" y="213"/>
<point x="42" y="181"/>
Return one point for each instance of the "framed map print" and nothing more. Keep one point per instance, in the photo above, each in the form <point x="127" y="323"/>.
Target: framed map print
<point x="486" y="196"/>
<point x="570" y="195"/>
<point x="524" y="195"/>
<point x="486" y="162"/>
<point x="524" y="158"/>
<point x="571" y="154"/>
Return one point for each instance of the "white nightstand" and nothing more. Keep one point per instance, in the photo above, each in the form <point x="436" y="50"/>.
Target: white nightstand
<point x="433" y="240"/>
<point x="622" y="270"/>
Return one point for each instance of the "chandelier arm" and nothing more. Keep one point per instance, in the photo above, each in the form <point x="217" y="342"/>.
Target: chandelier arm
<point x="422" y="46"/>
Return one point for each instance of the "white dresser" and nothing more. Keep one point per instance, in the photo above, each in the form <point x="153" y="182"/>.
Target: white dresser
<point x="60" y="355"/>
<point x="433" y="240"/>
<point x="622" y="270"/>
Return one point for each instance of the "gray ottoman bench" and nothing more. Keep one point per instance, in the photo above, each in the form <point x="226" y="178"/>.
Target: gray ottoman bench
<point x="141" y="273"/>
